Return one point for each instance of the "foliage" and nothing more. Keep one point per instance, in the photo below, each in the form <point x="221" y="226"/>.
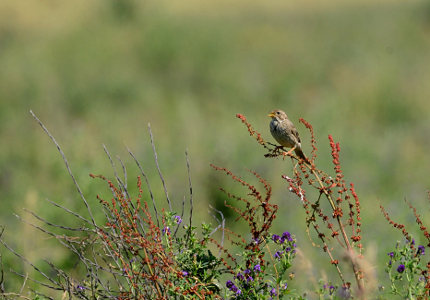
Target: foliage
<point x="408" y="272"/>
<point x="139" y="252"/>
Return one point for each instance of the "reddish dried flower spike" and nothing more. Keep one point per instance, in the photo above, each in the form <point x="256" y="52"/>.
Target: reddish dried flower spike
<point x="419" y="221"/>
<point x="313" y="140"/>
<point x="356" y="238"/>
<point x="357" y="207"/>
<point x="251" y="131"/>
<point x="395" y="225"/>
<point x="340" y="182"/>
<point x="256" y="211"/>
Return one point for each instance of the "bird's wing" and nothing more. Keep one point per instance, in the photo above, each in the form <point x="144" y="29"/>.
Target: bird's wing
<point x="296" y="134"/>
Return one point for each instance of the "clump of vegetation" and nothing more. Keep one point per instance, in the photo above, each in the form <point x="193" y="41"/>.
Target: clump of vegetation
<point x="142" y="252"/>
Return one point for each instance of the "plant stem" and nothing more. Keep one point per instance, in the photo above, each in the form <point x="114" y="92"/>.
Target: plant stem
<point x="342" y="229"/>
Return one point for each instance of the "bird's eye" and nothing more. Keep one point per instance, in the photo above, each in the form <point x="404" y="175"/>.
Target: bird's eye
<point x="277" y="112"/>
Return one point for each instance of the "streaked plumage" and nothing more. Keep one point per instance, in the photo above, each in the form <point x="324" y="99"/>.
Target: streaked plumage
<point x="285" y="133"/>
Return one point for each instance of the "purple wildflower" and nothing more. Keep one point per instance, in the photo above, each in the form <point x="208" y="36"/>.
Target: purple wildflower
<point x="278" y="254"/>
<point x="401" y="268"/>
<point x="275" y="238"/>
<point x="421" y="250"/>
<point x="230" y="285"/>
<point x="273" y="292"/>
<point x="240" y="276"/>
<point x="286" y="235"/>
<point x="257" y="268"/>
<point x="178" y="219"/>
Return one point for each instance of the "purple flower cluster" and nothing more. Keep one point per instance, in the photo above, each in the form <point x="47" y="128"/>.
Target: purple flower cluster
<point x="230" y="285"/>
<point x="276" y="238"/>
<point x="240" y="276"/>
<point x="401" y="268"/>
<point x="247" y="274"/>
<point x="288" y="243"/>
<point x="286" y="236"/>
<point x="245" y="279"/>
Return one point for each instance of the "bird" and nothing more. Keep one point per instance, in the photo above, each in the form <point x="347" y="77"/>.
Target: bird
<point x="285" y="133"/>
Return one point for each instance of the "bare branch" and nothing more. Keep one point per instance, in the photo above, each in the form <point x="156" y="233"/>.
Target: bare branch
<point x="67" y="165"/>
<point x="158" y="167"/>
<point x="190" y="186"/>
<point x="70" y="211"/>
<point x="29" y="263"/>
<point x="147" y="184"/>
<point x="55" y="225"/>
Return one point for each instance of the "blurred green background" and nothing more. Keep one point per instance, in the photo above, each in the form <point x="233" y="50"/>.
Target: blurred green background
<point x="99" y="71"/>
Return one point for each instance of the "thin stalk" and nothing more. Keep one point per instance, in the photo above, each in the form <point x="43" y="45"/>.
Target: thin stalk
<point x="342" y="229"/>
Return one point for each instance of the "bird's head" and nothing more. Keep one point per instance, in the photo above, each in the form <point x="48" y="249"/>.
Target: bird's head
<point x="278" y="115"/>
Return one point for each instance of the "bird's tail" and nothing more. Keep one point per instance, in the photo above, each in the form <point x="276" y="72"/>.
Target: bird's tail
<point x="300" y="154"/>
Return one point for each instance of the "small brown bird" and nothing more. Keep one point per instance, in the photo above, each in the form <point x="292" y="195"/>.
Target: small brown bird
<point x="285" y="133"/>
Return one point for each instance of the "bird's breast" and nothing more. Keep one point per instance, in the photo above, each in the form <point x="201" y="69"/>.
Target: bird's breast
<point x="281" y="134"/>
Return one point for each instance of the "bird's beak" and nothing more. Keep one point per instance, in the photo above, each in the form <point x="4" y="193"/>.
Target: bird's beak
<point x="271" y="115"/>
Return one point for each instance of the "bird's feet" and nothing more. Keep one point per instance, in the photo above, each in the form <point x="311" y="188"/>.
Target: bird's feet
<point x="288" y="153"/>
